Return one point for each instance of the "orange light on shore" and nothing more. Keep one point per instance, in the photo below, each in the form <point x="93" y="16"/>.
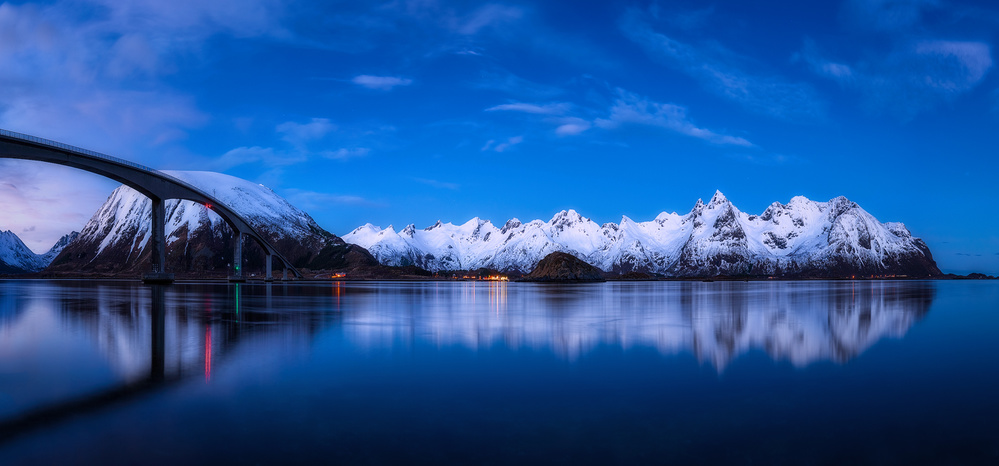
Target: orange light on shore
<point x="338" y="275"/>
<point x="491" y="278"/>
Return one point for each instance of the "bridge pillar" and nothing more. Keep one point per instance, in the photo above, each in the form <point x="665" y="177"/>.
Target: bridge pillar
<point x="237" y="259"/>
<point x="270" y="268"/>
<point x="158" y="245"/>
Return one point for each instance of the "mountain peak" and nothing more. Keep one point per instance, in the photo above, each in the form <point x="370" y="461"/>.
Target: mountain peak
<point x="475" y="222"/>
<point x="409" y="231"/>
<point x="436" y="225"/>
<point x="718" y="199"/>
<point x="510" y="224"/>
<point x="566" y="217"/>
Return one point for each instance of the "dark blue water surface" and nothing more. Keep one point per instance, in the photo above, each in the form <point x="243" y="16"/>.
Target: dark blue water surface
<point x="894" y="372"/>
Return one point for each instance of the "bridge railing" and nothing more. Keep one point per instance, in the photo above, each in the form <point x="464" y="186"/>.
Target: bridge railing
<point x="73" y="149"/>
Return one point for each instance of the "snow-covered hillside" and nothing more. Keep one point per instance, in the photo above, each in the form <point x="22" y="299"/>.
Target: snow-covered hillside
<point x="116" y="236"/>
<point x="801" y="238"/>
<point x="15" y="257"/>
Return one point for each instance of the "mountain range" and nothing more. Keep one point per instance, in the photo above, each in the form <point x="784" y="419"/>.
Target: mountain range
<point x="16" y="258"/>
<point x="802" y="238"/>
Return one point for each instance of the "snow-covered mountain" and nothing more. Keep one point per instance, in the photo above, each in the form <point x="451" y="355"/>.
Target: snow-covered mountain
<point x="801" y="238"/>
<point x="117" y="236"/>
<point x="15" y="257"/>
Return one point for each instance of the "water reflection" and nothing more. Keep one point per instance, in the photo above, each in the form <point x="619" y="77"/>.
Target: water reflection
<point x="800" y="322"/>
<point x="67" y="346"/>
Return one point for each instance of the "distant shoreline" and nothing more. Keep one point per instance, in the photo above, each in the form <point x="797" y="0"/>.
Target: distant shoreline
<point x="256" y="280"/>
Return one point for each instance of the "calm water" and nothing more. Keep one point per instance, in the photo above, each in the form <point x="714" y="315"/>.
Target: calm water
<point x="479" y="373"/>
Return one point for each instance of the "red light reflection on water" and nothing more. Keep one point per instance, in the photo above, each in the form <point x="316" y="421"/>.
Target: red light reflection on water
<point x="208" y="354"/>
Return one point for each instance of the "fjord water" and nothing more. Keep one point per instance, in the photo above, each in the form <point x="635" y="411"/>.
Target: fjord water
<point x="816" y="372"/>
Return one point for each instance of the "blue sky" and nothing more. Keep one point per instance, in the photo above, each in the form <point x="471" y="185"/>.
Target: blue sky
<point x="401" y="112"/>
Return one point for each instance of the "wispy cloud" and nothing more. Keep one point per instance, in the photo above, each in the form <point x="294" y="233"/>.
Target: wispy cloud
<point x="493" y="145"/>
<point x="381" y="83"/>
<point x="713" y="66"/>
<point x="256" y="155"/>
<point x="487" y="16"/>
<point x="437" y="184"/>
<point x="513" y="85"/>
<point x="556" y="108"/>
<point x="345" y="153"/>
<point x="887" y="15"/>
<point x="918" y="69"/>
<point x="766" y="159"/>
<point x="300" y="134"/>
<point x="92" y="73"/>
<point x="302" y="139"/>
<point x="630" y="108"/>
<point x="572" y="126"/>
<point x="316" y="201"/>
<point x="914" y="77"/>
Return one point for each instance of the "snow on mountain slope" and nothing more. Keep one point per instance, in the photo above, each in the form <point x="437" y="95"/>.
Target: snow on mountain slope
<point x="116" y="236"/>
<point x="57" y="248"/>
<point x="15" y="257"/>
<point x="801" y="238"/>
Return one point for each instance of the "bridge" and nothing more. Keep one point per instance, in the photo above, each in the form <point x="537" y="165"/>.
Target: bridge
<point x="155" y="185"/>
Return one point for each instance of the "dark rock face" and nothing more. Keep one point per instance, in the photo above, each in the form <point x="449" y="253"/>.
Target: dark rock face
<point x="564" y="268"/>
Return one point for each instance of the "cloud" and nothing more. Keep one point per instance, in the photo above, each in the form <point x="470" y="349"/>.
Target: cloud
<point x="556" y="108"/>
<point x="509" y="83"/>
<point x="887" y="15"/>
<point x="630" y="108"/>
<point x="489" y="15"/>
<point x="913" y="77"/>
<point x="315" y="201"/>
<point x="252" y="155"/>
<point x="713" y="66"/>
<point x="344" y="153"/>
<point x="299" y="134"/>
<point x="381" y="83"/>
<point x="302" y="139"/>
<point x="572" y="129"/>
<point x="29" y="229"/>
<point x="766" y="159"/>
<point x="437" y="184"/>
<point x="492" y="145"/>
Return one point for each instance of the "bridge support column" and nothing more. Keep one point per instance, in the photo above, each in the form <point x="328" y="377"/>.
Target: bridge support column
<point x="270" y="268"/>
<point x="237" y="259"/>
<point x="158" y="245"/>
<point x="285" y="277"/>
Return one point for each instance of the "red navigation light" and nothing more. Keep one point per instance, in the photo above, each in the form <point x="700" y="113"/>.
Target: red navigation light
<point x="208" y="205"/>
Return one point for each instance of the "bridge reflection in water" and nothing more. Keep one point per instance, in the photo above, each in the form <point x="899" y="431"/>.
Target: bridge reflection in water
<point x="150" y="338"/>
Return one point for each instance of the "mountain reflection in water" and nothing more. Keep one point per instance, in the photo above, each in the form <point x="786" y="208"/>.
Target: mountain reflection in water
<point x="369" y="372"/>
<point x="800" y="322"/>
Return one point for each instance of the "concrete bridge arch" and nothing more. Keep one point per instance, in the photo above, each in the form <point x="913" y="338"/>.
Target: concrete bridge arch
<point x="155" y="185"/>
